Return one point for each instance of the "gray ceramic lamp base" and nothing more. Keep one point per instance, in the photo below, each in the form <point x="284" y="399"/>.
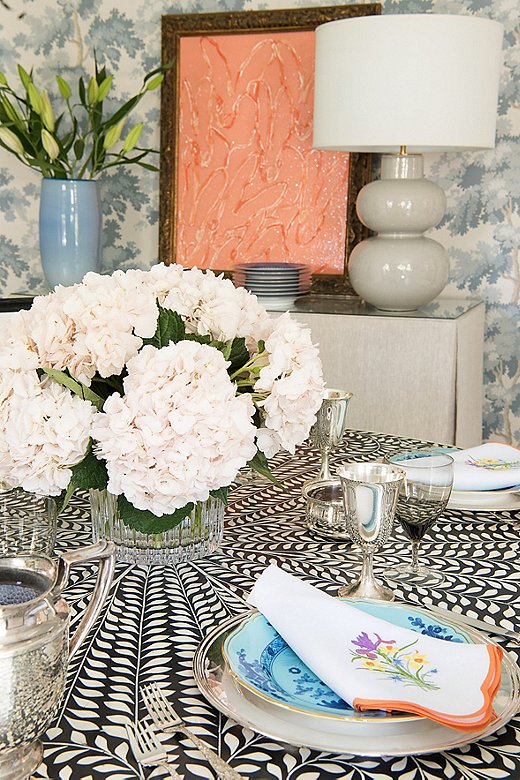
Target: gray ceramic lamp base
<point x="399" y="269"/>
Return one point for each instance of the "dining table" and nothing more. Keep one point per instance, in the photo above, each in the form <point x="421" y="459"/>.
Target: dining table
<point x="156" y="618"/>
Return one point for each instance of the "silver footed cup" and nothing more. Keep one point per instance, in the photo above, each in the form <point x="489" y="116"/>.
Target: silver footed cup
<point x="329" y="428"/>
<point x="35" y="646"/>
<point x="370" y="492"/>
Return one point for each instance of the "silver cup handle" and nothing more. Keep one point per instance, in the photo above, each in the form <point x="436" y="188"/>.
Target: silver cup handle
<point x="103" y="552"/>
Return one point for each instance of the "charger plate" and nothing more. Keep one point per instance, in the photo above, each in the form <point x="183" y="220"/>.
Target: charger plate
<point x="486" y="500"/>
<point x="264" y="665"/>
<point x="360" y="737"/>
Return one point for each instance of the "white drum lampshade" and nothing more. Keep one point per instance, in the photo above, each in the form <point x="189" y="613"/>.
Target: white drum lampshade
<point x="403" y="85"/>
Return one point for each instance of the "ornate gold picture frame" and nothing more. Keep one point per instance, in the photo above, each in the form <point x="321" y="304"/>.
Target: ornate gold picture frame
<point x="218" y="49"/>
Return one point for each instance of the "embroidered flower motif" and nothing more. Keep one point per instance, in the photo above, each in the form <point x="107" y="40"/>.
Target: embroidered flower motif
<point x="367" y="646"/>
<point x="493" y="465"/>
<point x="401" y="664"/>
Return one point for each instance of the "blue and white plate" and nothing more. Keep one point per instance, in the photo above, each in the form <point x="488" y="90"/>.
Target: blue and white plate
<point x="263" y="664"/>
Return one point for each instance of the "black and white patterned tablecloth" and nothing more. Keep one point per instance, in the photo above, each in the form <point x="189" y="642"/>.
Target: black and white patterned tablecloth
<point x="155" y="618"/>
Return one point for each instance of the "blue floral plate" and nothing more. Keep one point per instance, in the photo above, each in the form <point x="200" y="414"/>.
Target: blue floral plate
<point x="263" y="664"/>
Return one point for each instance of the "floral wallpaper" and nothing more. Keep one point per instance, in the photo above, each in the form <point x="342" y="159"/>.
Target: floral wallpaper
<point x="481" y="229"/>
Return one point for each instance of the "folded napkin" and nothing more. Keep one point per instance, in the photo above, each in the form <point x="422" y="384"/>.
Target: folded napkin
<point x="373" y="664"/>
<point x="486" y="467"/>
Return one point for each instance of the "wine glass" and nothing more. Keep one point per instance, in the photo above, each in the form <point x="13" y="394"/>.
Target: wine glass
<point x="329" y="428"/>
<point x="370" y="493"/>
<point x="423" y="496"/>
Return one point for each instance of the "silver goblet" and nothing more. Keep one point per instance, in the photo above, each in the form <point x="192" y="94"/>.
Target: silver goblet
<point x="329" y="428"/>
<point x="370" y="492"/>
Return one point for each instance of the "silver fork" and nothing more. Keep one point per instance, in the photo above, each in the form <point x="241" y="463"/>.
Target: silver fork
<point x="165" y="718"/>
<point x="147" y="749"/>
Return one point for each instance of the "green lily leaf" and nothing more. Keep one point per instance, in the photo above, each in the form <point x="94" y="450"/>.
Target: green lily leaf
<point x="123" y="111"/>
<point x="148" y="166"/>
<point x="82" y="92"/>
<point x="155" y="82"/>
<point x="79" y="148"/>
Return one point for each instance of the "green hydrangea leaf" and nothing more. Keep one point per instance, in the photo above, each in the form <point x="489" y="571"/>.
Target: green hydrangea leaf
<point x="220" y="493"/>
<point x="145" y="521"/>
<point x="238" y="355"/>
<point x="202" y="339"/>
<point x="90" y="472"/>
<point x="259" y="463"/>
<point x="170" y="327"/>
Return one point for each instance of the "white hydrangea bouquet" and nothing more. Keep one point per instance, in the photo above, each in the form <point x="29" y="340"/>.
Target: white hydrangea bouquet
<point x="158" y="386"/>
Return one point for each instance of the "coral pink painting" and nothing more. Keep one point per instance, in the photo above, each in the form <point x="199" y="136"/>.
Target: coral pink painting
<point x="250" y="185"/>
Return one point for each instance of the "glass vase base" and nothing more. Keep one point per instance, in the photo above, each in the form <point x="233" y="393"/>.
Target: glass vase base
<point x="419" y="576"/>
<point x="197" y="535"/>
<point x="149" y="556"/>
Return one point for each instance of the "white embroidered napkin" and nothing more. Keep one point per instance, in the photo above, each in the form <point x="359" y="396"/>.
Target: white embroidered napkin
<point x="373" y="664"/>
<point x="487" y="467"/>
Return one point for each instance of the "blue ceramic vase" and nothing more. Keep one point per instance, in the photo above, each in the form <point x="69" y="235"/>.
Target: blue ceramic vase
<point x="70" y="229"/>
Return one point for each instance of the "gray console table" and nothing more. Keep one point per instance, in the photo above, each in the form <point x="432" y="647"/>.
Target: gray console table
<point x="417" y="374"/>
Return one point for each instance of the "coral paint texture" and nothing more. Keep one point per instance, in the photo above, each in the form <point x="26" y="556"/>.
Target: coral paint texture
<point x="250" y="185"/>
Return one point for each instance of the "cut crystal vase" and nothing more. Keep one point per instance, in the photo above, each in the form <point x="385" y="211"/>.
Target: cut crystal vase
<point x="199" y="534"/>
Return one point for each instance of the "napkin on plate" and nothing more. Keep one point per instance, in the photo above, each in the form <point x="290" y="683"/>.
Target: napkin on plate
<point x="373" y="664"/>
<point x="487" y="467"/>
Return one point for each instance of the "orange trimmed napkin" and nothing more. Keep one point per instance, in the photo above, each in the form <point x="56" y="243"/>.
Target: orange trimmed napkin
<point x="373" y="664"/>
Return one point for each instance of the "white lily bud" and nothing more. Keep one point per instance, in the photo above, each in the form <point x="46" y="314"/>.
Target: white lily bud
<point x="35" y="98"/>
<point x="113" y="135"/>
<point x="92" y="91"/>
<point x="47" y="113"/>
<point x="9" y="139"/>
<point x="132" y="138"/>
<point x="50" y="145"/>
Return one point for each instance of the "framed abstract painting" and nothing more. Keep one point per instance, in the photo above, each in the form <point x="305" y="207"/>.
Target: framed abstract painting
<point x="239" y="178"/>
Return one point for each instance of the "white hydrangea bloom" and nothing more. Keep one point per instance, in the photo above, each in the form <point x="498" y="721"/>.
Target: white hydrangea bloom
<point x="95" y="326"/>
<point x="44" y="430"/>
<point x="17" y="350"/>
<point x="293" y="385"/>
<point x="178" y="432"/>
<point x="210" y="304"/>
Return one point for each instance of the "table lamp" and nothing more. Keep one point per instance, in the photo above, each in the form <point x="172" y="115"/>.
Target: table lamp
<point x="402" y="85"/>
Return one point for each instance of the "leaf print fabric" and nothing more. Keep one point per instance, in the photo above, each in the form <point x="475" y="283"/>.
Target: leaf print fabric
<point x="373" y="664"/>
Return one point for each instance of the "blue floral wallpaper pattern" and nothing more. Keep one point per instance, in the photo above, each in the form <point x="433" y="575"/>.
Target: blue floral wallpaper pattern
<point x="481" y="229"/>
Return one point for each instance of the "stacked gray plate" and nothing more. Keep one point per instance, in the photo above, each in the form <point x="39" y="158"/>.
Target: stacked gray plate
<point x="277" y="285"/>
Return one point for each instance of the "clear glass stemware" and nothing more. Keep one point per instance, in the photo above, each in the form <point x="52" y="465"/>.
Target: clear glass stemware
<point x="422" y="498"/>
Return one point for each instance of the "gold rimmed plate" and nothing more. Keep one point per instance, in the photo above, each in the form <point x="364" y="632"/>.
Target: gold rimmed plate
<point x="264" y="665"/>
<point x="360" y="737"/>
